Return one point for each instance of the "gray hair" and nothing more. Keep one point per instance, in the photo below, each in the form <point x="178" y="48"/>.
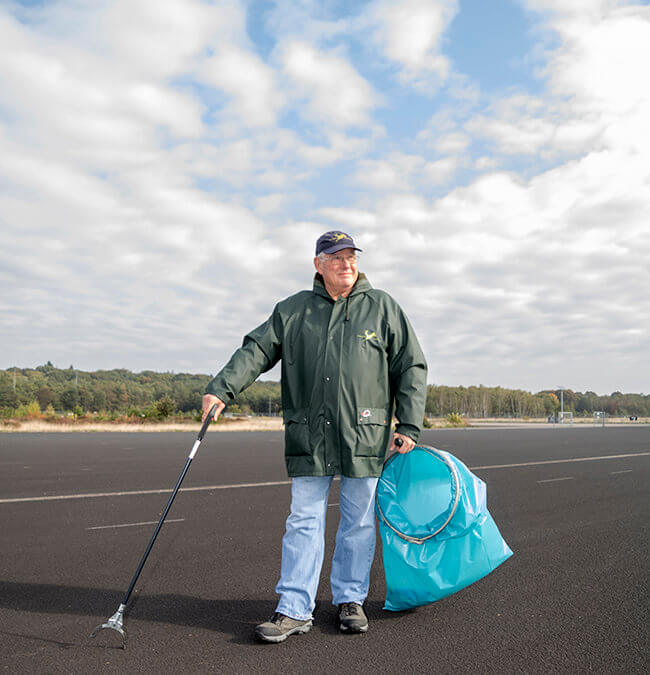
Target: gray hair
<point x="324" y="256"/>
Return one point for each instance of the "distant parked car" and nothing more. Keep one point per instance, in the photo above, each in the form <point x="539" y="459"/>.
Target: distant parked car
<point x="634" y="418"/>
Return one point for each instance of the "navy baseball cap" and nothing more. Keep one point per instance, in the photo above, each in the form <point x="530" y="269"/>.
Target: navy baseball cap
<point x="334" y="241"/>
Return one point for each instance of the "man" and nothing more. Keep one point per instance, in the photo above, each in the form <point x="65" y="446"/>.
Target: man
<point x="349" y="359"/>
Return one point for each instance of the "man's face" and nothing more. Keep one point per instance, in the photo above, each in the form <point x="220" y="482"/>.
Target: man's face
<point x="338" y="269"/>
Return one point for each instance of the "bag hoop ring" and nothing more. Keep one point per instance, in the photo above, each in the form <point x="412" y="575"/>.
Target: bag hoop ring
<point x="456" y="486"/>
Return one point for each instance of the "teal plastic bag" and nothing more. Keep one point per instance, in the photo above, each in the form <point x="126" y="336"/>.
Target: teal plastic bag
<point x="436" y="532"/>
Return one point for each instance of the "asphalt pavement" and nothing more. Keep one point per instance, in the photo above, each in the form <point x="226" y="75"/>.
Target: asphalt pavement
<point x="77" y="510"/>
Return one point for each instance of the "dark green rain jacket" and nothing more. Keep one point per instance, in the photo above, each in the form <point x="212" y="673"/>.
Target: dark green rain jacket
<point x="345" y="364"/>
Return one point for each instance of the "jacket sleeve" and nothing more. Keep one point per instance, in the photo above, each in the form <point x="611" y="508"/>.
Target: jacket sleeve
<point x="408" y="375"/>
<point x="260" y="351"/>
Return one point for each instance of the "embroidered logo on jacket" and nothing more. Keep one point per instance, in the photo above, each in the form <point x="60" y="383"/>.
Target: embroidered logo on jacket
<point x="367" y="335"/>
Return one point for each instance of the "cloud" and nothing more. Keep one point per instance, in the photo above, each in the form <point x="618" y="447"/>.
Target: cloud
<point x="595" y="98"/>
<point x="402" y="172"/>
<point x="106" y="233"/>
<point x="549" y="270"/>
<point x="188" y="173"/>
<point x="333" y="91"/>
<point x="350" y="218"/>
<point x="163" y="39"/>
<point x="314" y="21"/>
<point x="584" y="8"/>
<point x="76" y="97"/>
<point x="392" y="173"/>
<point x="256" y="99"/>
<point x="454" y="143"/>
<point x="504" y="264"/>
<point x="409" y="33"/>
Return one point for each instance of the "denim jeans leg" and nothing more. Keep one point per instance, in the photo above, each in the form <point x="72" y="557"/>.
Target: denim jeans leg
<point x="303" y="546"/>
<point x="355" y="541"/>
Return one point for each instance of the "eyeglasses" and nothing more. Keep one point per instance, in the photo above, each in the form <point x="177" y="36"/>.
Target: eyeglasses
<point x="336" y="259"/>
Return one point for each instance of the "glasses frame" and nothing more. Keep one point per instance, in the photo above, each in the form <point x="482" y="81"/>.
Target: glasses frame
<point x="337" y="259"/>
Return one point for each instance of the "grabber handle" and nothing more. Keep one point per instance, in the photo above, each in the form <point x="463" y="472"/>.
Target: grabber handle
<point x="204" y="428"/>
<point x="207" y="421"/>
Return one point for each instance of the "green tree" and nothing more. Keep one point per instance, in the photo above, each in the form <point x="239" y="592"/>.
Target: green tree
<point x="44" y="396"/>
<point x="99" y="400"/>
<point x="164" y="407"/>
<point x="70" y="398"/>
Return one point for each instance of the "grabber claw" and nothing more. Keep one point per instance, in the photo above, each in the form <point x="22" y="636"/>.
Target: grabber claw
<point x="114" y="623"/>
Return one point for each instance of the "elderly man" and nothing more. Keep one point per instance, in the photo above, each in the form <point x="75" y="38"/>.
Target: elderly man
<point x="350" y="360"/>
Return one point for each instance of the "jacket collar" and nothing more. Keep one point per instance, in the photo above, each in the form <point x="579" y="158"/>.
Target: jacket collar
<point x="361" y="286"/>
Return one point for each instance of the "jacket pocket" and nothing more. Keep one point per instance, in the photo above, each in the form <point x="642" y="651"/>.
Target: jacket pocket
<point x="372" y="432"/>
<point x="296" y="432"/>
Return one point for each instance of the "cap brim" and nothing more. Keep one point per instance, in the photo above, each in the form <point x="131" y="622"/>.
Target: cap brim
<point x="339" y="247"/>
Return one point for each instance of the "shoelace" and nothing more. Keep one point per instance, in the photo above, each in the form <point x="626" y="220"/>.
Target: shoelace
<point x="349" y="608"/>
<point x="277" y="618"/>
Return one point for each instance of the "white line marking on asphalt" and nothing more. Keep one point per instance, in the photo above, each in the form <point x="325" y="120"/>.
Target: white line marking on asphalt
<point x="333" y="504"/>
<point x="554" y="480"/>
<point x="148" y="522"/>
<point x="626" y="471"/>
<point x="559" y="461"/>
<point x="204" y="488"/>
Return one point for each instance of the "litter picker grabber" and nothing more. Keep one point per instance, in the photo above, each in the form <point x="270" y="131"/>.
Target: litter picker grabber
<point x="116" y="622"/>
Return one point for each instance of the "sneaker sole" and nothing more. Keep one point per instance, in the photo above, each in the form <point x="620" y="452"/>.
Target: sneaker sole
<point x="298" y="630"/>
<point x="356" y="629"/>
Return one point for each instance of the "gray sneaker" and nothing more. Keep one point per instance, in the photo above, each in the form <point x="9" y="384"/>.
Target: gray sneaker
<point x="352" y="618"/>
<point x="280" y="627"/>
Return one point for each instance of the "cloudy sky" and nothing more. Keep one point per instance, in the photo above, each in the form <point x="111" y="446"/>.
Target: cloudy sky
<point x="166" y="166"/>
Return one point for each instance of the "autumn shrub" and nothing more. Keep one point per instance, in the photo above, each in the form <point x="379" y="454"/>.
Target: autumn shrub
<point x="30" y="410"/>
<point x="456" y="420"/>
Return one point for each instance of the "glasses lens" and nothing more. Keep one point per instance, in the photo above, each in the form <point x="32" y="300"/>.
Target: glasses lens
<point x="343" y="259"/>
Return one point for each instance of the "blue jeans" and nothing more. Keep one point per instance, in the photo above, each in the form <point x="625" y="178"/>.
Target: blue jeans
<point x="304" y="542"/>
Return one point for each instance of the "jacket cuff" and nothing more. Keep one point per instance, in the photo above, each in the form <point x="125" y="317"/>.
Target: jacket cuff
<point x="409" y="430"/>
<point x="219" y="393"/>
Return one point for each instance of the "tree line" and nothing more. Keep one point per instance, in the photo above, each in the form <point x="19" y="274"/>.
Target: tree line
<point x="148" y="393"/>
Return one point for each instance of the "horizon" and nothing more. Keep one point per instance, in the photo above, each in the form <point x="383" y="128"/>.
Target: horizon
<point x="261" y="379"/>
